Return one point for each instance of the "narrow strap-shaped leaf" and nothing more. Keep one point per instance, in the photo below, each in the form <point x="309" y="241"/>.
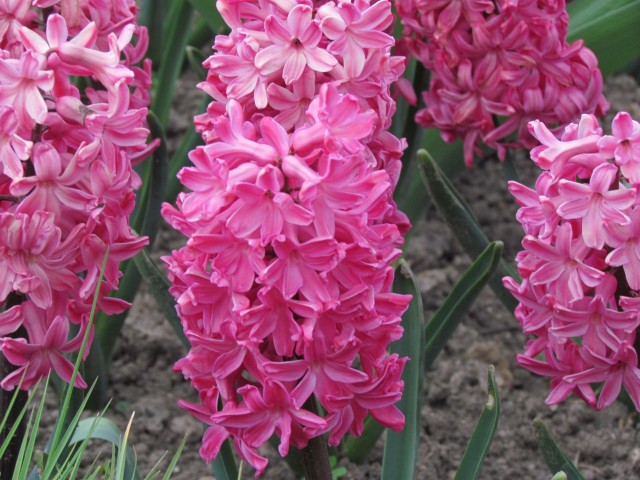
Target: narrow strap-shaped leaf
<point x="190" y="140"/>
<point x="174" y="459"/>
<point x="146" y="221"/>
<point x="483" y="434"/>
<point x="357" y="449"/>
<point x="447" y="318"/>
<point x="159" y="286"/>
<point x="209" y="12"/>
<point x="195" y="58"/>
<point x="152" y="14"/>
<point x="401" y="448"/>
<point x="555" y="458"/>
<point x="176" y="36"/>
<point x="610" y="29"/>
<point x="224" y="465"/>
<point x="455" y="211"/>
<point x="411" y="195"/>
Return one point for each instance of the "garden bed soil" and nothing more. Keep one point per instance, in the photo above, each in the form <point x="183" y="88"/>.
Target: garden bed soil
<point x="604" y="445"/>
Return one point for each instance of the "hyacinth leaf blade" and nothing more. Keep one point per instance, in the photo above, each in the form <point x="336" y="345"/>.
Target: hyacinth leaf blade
<point x="401" y="448"/>
<point x="482" y="435"/>
<point x="146" y="221"/>
<point x="28" y="441"/>
<point x="190" y="140"/>
<point x="195" y="59"/>
<point x="554" y="457"/>
<point x="153" y="14"/>
<point x="224" y="466"/>
<point x="464" y="293"/>
<point x="176" y="37"/>
<point x="411" y="195"/>
<point x="357" y="449"/>
<point x="210" y="15"/>
<point x="607" y="28"/>
<point x="461" y="221"/>
<point x="159" y="286"/>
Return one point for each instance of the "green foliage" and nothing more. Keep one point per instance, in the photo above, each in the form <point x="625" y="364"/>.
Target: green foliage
<point x="483" y="434"/>
<point x="461" y="221"/>
<point x="447" y="318"/>
<point x="555" y="458"/>
<point x="401" y="448"/>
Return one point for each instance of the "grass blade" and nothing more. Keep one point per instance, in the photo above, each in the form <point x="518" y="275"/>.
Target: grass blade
<point x="455" y="211"/>
<point x="555" y="458"/>
<point x="483" y="434"/>
<point x="401" y="448"/>
<point x="174" y="460"/>
<point x="452" y="311"/>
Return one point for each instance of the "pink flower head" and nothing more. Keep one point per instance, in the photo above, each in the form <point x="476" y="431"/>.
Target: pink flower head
<point x="495" y="66"/>
<point x="581" y="262"/>
<point x="284" y="286"/>
<point x="66" y="156"/>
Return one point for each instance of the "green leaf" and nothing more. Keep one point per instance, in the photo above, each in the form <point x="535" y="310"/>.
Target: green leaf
<point x="410" y="194"/>
<point x="159" y="286"/>
<point x="195" y="58"/>
<point x="401" y="448"/>
<point x="175" y="36"/>
<point x="146" y="221"/>
<point x="174" y="459"/>
<point x="452" y="311"/>
<point x="208" y="11"/>
<point x="357" y="449"/>
<point x="483" y="434"/>
<point x="610" y="29"/>
<point x="224" y="465"/>
<point x="190" y="140"/>
<point x="554" y="457"/>
<point x="455" y="211"/>
<point x="152" y="14"/>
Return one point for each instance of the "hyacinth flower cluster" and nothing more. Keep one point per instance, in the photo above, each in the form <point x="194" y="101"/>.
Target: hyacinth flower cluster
<point x="580" y="265"/>
<point x="495" y="66"/>
<point x="284" y="286"/>
<point x="72" y="122"/>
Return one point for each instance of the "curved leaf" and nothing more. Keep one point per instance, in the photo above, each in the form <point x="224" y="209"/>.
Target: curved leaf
<point x="401" y="448"/>
<point x="555" y="458"/>
<point x="447" y="318"/>
<point x="483" y="434"/>
<point x="455" y="211"/>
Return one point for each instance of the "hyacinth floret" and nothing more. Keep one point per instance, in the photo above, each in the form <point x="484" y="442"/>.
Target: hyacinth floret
<point x="73" y="107"/>
<point x="495" y="65"/>
<point x="284" y="285"/>
<point x="581" y="261"/>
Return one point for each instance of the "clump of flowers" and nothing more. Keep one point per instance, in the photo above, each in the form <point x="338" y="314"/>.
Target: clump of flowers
<point x="495" y="66"/>
<point x="284" y="286"/>
<point x="72" y="121"/>
<point x="579" y="296"/>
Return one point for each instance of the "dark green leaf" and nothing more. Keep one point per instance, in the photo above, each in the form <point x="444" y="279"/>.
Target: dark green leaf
<point x="483" y="434"/>
<point x="455" y="211"/>
<point x="176" y="35"/>
<point x="447" y="318"/>
<point x="357" y="449"/>
<point x="207" y="9"/>
<point x="401" y="448"/>
<point x="224" y="465"/>
<point x="159" y="286"/>
<point x="554" y="457"/>
<point x="195" y="58"/>
<point x="610" y="29"/>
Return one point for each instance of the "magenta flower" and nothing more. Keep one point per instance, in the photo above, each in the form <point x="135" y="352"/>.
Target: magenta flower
<point x="284" y="285"/>
<point x="581" y="262"/>
<point x="495" y="66"/>
<point x="66" y="166"/>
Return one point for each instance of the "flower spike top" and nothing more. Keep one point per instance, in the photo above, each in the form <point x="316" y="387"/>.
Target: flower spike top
<point x="580" y="265"/>
<point x="284" y="285"/>
<point x="66" y="181"/>
<point x="495" y="66"/>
